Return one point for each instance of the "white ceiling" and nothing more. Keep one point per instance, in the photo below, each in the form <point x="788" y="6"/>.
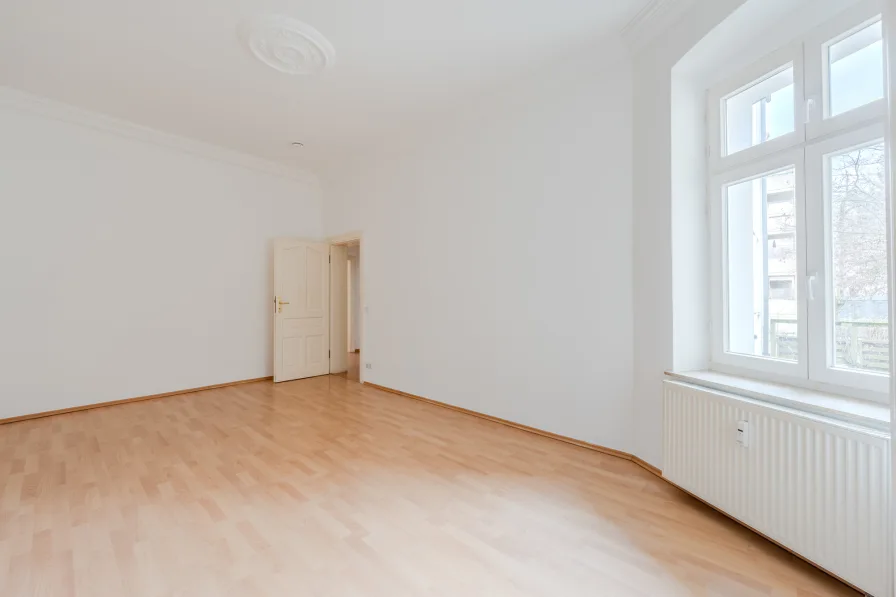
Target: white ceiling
<point x="180" y="66"/>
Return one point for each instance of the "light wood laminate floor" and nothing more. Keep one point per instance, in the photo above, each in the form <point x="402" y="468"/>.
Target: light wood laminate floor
<point x="354" y="366"/>
<point x="326" y="487"/>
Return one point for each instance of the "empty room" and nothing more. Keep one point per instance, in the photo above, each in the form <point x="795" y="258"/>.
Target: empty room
<point x="447" y="298"/>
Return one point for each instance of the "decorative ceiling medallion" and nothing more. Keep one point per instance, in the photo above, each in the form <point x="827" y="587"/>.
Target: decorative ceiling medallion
<point x="289" y="45"/>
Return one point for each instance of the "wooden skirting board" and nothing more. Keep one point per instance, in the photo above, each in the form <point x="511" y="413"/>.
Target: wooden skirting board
<point x="562" y="438"/>
<point x="73" y="409"/>
<point x="604" y="450"/>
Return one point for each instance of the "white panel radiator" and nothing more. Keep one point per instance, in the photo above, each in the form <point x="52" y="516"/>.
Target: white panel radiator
<point x="814" y="485"/>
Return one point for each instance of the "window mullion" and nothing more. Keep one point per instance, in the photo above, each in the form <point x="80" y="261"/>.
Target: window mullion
<point x="815" y="279"/>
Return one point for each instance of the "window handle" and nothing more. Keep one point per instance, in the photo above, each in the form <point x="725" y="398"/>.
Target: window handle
<point x="811" y="103"/>
<point x="811" y="277"/>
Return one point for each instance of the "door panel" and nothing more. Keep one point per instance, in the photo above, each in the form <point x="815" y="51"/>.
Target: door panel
<point x="315" y="292"/>
<point x="338" y="309"/>
<point x="301" y="309"/>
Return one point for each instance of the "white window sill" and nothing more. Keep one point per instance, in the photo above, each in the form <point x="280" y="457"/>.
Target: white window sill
<point x="858" y="412"/>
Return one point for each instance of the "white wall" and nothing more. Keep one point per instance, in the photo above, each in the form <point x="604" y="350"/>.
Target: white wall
<point x="653" y="215"/>
<point x="129" y="268"/>
<point x="690" y="253"/>
<point x="497" y="252"/>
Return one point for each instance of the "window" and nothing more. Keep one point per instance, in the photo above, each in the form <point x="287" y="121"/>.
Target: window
<point x="760" y="113"/>
<point x="844" y="72"/>
<point x="799" y="208"/>
<point x="857" y="212"/>
<point x="761" y="247"/>
<point x="848" y="259"/>
<point x="855" y="70"/>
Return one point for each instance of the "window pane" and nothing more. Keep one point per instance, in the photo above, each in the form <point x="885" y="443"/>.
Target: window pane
<point x="761" y="267"/>
<point x="760" y="113"/>
<point x="856" y="70"/>
<point x="858" y="215"/>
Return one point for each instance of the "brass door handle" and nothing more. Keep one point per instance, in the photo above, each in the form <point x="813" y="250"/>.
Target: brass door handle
<point x="283" y="302"/>
<point x="280" y="304"/>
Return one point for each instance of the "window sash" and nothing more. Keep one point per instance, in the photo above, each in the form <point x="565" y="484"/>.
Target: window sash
<point x="720" y="276"/>
<point x="822" y="357"/>
<point x="761" y="70"/>
<point x="819" y="122"/>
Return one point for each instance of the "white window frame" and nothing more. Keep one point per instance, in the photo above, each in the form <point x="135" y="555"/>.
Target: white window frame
<point x="820" y="261"/>
<point x="819" y="122"/>
<point x="815" y="137"/>
<point x="734" y="362"/>
<point x="765" y="68"/>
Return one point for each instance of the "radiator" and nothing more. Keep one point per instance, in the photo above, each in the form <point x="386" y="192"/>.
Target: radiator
<point x="819" y="487"/>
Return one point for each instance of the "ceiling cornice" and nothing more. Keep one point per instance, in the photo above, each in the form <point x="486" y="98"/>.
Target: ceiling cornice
<point x="653" y="19"/>
<point x="47" y="108"/>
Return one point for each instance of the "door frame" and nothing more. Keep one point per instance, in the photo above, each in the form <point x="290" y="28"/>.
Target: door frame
<point x="345" y="239"/>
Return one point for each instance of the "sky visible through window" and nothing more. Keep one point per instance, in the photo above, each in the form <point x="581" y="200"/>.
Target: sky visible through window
<point x="856" y="70"/>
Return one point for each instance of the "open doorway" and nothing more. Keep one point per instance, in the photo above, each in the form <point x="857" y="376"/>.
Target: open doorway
<point x="345" y="308"/>
<point x="353" y="271"/>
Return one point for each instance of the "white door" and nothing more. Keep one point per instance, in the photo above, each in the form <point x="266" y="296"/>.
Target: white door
<point x="301" y="309"/>
<point x="338" y="308"/>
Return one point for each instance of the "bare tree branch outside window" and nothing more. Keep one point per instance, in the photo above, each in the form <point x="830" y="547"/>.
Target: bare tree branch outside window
<point x="859" y="255"/>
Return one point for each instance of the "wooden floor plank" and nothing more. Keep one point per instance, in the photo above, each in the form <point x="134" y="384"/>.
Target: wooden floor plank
<point x="326" y="487"/>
